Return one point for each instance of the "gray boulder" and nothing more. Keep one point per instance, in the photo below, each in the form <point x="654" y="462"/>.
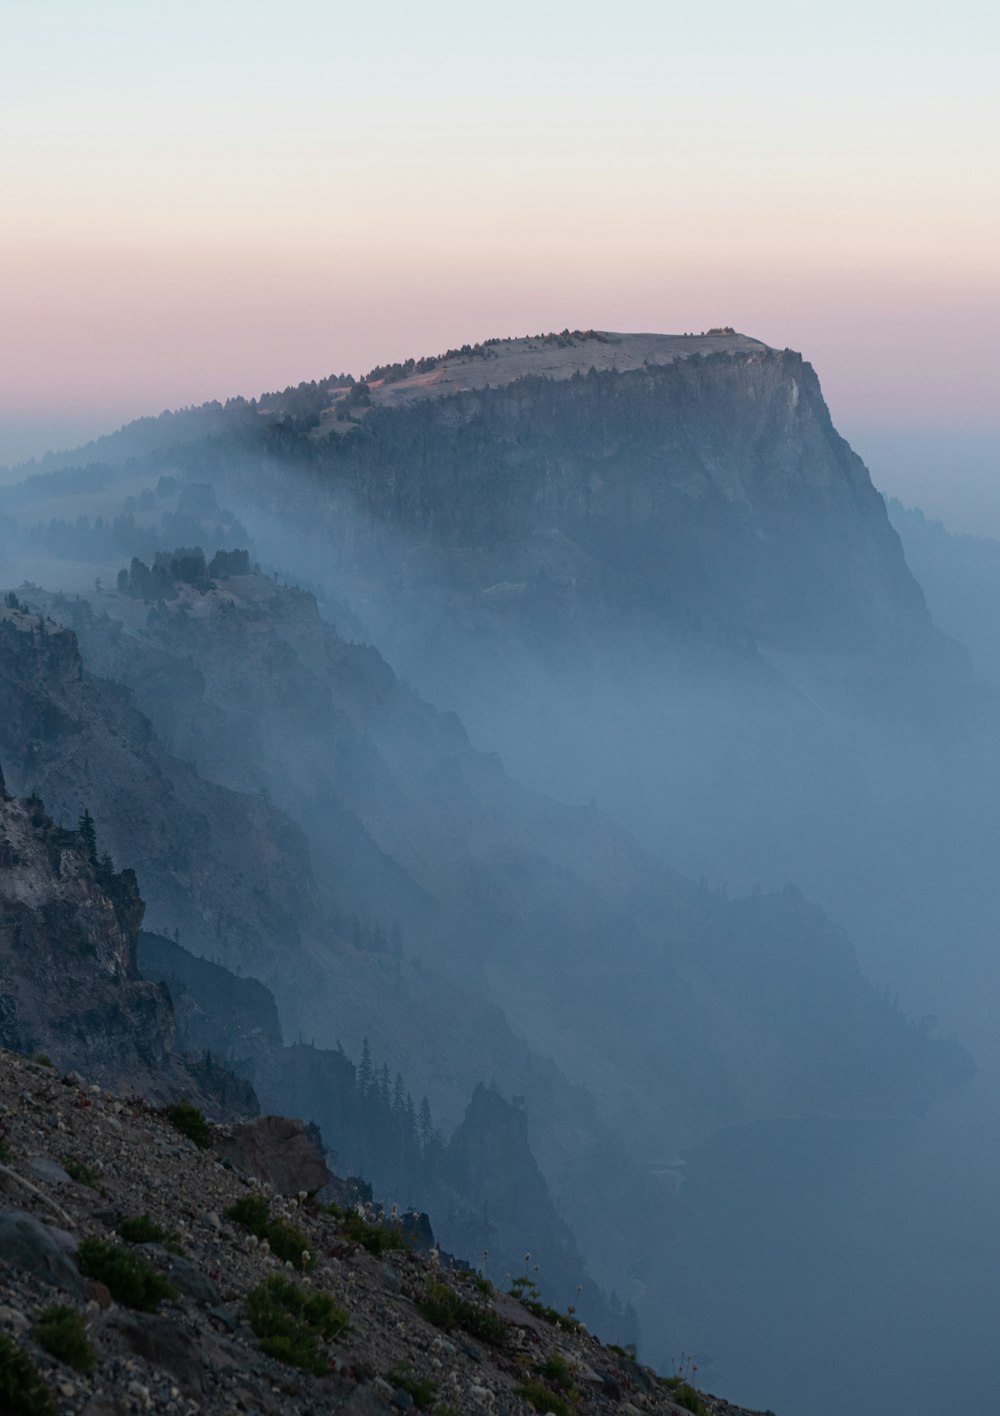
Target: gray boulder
<point x="163" y="1343"/>
<point x="49" y="1171"/>
<point x="39" y="1249"/>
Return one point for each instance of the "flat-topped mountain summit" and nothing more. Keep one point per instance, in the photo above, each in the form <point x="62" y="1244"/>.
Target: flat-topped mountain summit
<point x="496" y="362"/>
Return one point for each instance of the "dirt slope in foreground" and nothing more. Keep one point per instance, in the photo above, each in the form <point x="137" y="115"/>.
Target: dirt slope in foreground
<point x="198" y="1353"/>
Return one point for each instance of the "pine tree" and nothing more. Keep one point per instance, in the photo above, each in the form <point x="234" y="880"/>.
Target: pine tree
<point x="366" y="1073"/>
<point x="88" y="834"/>
<point x="425" y="1126"/>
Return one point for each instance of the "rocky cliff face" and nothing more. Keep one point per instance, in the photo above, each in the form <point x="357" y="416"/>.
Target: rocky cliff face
<point x="708" y="483"/>
<point x="69" y="986"/>
<point x="80" y="741"/>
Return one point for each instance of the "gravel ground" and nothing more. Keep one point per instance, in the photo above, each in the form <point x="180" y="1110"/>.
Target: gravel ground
<point x="198" y="1353"/>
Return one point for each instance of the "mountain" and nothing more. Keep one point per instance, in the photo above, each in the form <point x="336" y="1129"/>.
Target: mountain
<point x="667" y="585"/>
<point x="696" y="476"/>
<point x="644" y="568"/>
<point x="648" y="570"/>
<point x="692" y="478"/>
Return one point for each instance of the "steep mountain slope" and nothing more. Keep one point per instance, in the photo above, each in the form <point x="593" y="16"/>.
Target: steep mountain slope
<point x="540" y="947"/>
<point x="69" y="981"/>
<point x="376" y="1132"/>
<point x="68" y="978"/>
<point x="225" y="869"/>
<point x="373" y="1329"/>
<point x="70" y="989"/>
<point x="960" y="575"/>
<point x="213" y="854"/>
<point x="582" y="938"/>
<point x="228" y="870"/>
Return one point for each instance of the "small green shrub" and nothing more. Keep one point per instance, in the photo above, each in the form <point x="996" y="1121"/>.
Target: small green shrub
<point x="446" y="1309"/>
<point x="43" y="1059"/>
<point x="377" y="1239"/>
<point x="128" y="1277"/>
<point x="186" y="1118"/>
<point x="541" y="1398"/>
<point x="253" y="1212"/>
<point x="291" y="1322"/>
<point x="143" y="1230"/>
<point x="557" y="1370"/>
<point x="289" y="1243"/>
<point x="82" y="1174"/>
<point x="421" y="1389"/>
<point x="685" y="1395"/>
<point x="485" y="1287"/>
<point x="22" y="1391"/>
<point x="63" y="1333"/>
<point x="526" y="1292"/>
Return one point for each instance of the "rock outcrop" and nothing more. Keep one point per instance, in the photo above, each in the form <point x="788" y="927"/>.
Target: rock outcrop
<point x="277" y="1151"/>
<point x="68" y="980"/>
<point x="70" y="989"/>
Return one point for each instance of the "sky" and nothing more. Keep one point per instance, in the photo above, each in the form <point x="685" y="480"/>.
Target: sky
<point x="217" y="198"/>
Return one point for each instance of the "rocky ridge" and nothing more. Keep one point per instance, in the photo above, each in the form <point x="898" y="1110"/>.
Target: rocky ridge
<point x="198" y="1352"/>
<point x="69" y="984"/>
